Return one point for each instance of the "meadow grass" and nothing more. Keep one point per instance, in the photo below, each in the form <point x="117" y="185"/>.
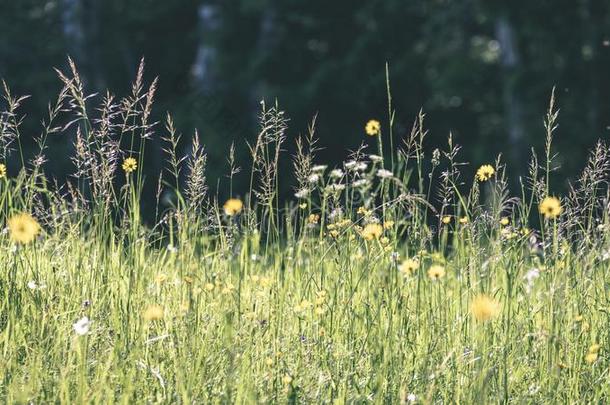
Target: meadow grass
<point x="395" y="277"/>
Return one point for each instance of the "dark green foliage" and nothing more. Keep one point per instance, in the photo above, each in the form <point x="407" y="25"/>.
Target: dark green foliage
<point x="329" y="58"/>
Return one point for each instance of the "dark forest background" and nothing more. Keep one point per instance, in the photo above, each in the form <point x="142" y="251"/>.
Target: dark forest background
<point x="481" y="69"/>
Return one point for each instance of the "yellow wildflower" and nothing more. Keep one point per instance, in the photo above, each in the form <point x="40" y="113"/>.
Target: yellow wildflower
<point x="372" y="231"/>
<point x="2" y="170"/>
<point x="485" y="172"/>
<point x="550" y="207"/>
<point x="233" y="206"/>
<point x="504" y="221"/>
<point x="23" y="228"/>
<point x="436" y="272"/>
<point x="372" y="128"/>
<point x="591" y="357"/>
<point x="130" y="165"/>
<point x="153" y="313"/>
<point x="408" y="267"/>
<point x="484" y="308"/>
<point x="303" y="306"/>
<point x="446" y="219"/>
<point x="363" y="211"/>
<point x="463" y="220"/>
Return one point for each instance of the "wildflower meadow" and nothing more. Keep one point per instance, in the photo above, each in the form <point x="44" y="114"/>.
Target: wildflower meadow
<point x="401" y="275"/>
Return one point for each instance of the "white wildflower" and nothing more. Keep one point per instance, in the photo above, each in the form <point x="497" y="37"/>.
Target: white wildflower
<point x="411" y="398"/>
<point x="336" y="187"/>
<point x="313" y="178"/>
<point x="303" y="193"/>
<point x="318" y="168"/>
<point x="32" y="285"/>
<point x="530" y="277"/>
<point x="394" y="257"/>
<point x="375" y="158"/>
<point x="171" y="248"/>
<point x="349" y="165"/>
<point x="336" y="214"/>
<point x="336" y="174"/>
<point x="361" y="183"/>
<point x="384" y="174"/>
<point x="81" y="327"/>
<point x="362" y="166"/>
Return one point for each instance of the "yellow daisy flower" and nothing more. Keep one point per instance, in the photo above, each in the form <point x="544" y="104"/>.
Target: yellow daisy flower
<point x="485" y="172"/>
<point x="436" y="272"/>
<point x="233" y="206"/>
<point x="372" y="231"/>
<point x="23" y="228"/>
<point x="408" y="267"/>
<point x="550" y="207"/>
<point x="372" y="128"/>
<point x="130" y="165"/>
<point x="484" y="308"/>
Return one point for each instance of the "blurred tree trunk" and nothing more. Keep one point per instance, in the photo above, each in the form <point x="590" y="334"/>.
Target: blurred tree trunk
<point x="202" y="70"/>
<point x="263" y="46"/>
<point x="80" y="23"/>
<point x="513" y="110"/>
<point x="73" y="28"/>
